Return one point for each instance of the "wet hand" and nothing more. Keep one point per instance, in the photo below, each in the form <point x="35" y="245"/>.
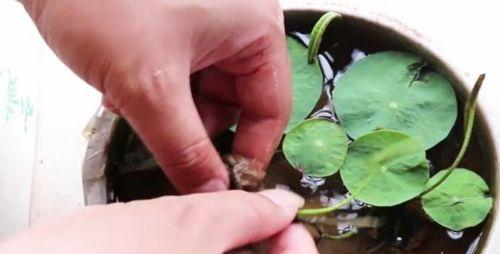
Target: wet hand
<point x="181" y="72"/>
<point x="199" y="223"/>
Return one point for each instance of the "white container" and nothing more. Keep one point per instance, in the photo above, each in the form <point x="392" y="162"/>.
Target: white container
<point x="487" y="126"/>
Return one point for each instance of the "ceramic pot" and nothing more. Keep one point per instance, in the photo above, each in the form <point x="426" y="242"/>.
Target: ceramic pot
<point x="388" y="31"/>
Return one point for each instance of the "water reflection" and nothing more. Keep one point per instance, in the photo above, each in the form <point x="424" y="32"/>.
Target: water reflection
<point x="312" y="182"/>
<point x="455" y="235"/>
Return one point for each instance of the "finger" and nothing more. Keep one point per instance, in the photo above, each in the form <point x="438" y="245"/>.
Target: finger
<point x="163" y="113"/>
<point x="264" y="94"/>
<point x="293" y="240"/>
<point x="218" y="85"/>
<point x="109" y="105"/>
<point x="216" y="100"/>
<point x="216" y="116"/>
<point x="237" y="218"/>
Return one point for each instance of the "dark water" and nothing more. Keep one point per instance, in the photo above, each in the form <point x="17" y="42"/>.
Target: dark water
<point x="403" y="229"/>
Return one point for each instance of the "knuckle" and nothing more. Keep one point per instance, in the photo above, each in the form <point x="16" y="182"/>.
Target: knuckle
<point x="135" y="92"/>
<point x="275" y="14"/>
<point x="194" y="155"/>
<point x="266" y="14"/>
<point x="193" y="165"/>
<point x="118" y="87"/>
<point x="181" y="210"/>
<point x="186" y="210"/>
<point x="167" y="203"/>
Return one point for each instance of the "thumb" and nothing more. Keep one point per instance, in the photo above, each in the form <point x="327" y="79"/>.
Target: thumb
<point x="237" y="218"/>
<point x="293" y="240"/>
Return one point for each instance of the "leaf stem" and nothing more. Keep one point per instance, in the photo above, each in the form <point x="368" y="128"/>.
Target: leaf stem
<point x="317" y="34"/>
<point x="339" y="237"/>
<point x="474" y="93"/>
<point x="469" y="115"/>
<point x="324" y="210"/>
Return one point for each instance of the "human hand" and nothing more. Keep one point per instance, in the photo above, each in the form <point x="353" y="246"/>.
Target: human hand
<point x="199" y="223"/>
<point x="141" y="55"/>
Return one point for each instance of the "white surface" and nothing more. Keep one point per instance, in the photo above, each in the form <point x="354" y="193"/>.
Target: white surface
<point x="18" y="113"/>
<point x="35" y="185"/>
<point x="464" y="29"/>
<point x="66" y="106"/>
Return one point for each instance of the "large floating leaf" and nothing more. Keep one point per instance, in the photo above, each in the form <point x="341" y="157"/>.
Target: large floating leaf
<point x="389" y="90"/>
<point x="459" y="202"/>
<point x="307" y="82"/>
<point x="385" y="168"/>
<point x="316" y="146"/>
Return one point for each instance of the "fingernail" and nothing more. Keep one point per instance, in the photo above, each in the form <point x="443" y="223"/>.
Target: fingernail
<point x="213" y="185"/>
<point x="289" y="201"/>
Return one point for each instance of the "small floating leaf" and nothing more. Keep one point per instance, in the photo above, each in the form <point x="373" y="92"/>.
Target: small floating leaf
<point x="459" y="202"/>
<point x="316" y="146"/>
<point x="307" y="83"/>
<point x="385" y="168"/>
<point x="317" y="34"/>
<point x="389" y="90"/>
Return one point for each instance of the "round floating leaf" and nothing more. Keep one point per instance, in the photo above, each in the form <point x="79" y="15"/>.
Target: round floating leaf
<point x="393" y="90"/>
<point x="385" y="168"/>
<point x="307" y="83"/>
<point x="460" y="202"/>
<point x="316" y="147"/>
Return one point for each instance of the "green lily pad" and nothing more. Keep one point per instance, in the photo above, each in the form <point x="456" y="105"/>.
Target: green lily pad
<point x="316" y="147"/>
<point x="385" y="168"/>
<point x="459" y="202"/>
<point x="389" y="90"/>
<point x="307" y="82"/>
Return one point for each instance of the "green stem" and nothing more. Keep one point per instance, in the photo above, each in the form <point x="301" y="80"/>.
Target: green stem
<point x="475" y="91"/>
<point x="469" y="114"/>
<point x="323" y="210"/>
<point x="339" y="237"/>
<point x="317" y="34"/>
